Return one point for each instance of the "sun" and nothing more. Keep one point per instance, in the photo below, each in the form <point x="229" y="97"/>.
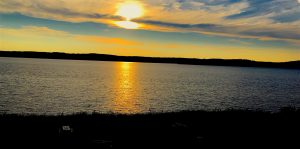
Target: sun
<point x="130" y="10"/>
<point x="128" y="24"/>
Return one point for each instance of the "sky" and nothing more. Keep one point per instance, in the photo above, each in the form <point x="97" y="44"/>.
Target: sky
<point x="261" y="30"/>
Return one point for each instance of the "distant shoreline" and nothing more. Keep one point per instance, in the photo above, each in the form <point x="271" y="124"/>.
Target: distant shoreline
<point x="188" y="61"/>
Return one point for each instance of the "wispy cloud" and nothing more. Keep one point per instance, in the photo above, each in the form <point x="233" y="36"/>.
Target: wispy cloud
<point x="37" y="31"/>
<point x="29" y="31"/>
<point x="232" y="31"/>
<point x="259" y="19"/>
<point x="277" y="10"/>
<point x="43" y="38"/>
<point x="107" y="40"/>
<point x="76" y="10"/>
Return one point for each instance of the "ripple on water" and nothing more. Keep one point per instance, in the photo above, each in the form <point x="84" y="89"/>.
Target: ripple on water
<point x="56" y="86"/>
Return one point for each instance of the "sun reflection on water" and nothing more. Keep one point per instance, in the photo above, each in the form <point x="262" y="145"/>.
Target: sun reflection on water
<point x="126" y="88"/>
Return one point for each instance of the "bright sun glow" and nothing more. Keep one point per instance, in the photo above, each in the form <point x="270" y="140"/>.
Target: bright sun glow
<point x="127" y="24"/>
<point x="129" y="10"/>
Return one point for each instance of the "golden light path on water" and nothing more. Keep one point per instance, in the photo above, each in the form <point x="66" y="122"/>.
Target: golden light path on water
<point x="127" y="88"/>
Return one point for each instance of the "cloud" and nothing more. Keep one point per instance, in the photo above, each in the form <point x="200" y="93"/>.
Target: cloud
<point x="70" y="13"/>
<point x="274" y="34"/>
<point x="232" y="31"/>
<point x="47" y="39"/>
<point x="290" y="16"/>
<point x="278" y="10"/>
<point x="60" y="10"/>
<point x="107" y="40"/>
<point x="30" y="31"/>
<point x="259" y="19"/>
<point x="37" y="32"/>
<point x="160" y="23"/>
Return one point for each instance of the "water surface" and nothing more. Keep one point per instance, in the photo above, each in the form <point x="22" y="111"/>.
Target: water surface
<point x="46" y="86"/>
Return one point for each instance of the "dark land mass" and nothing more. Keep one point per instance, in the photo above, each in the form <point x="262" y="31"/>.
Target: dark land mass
<point x="187" y="129"/>
<point x="190" y="61"/>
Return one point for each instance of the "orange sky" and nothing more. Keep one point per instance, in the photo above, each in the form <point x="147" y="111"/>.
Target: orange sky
<point x="194" y="28"/>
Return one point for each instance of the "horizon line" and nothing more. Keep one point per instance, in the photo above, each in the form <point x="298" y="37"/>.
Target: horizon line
<point x="160" y="57"/>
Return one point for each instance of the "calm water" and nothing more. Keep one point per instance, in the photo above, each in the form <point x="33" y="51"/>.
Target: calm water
<point x="44" y="86"/>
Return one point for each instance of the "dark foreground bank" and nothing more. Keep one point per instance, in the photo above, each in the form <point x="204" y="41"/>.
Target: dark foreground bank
<point x="188" y="61"/>
<point x="181" y="129"/>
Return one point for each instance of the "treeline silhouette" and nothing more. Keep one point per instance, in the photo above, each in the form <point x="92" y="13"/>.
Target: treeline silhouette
<point x="190" y="61"/>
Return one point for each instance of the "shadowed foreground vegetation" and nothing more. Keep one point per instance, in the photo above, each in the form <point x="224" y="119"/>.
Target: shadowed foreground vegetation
<point x="189" y="61"/>
<point x="239" y="128"/>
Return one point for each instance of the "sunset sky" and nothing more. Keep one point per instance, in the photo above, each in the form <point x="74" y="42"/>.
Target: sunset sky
<point x="262" y="30"/>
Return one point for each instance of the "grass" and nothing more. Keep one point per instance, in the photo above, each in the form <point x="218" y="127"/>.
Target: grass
<point x="186" y="129"/>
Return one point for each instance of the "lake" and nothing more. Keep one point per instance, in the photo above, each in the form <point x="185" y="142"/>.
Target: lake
<point x="47" y="86"/>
